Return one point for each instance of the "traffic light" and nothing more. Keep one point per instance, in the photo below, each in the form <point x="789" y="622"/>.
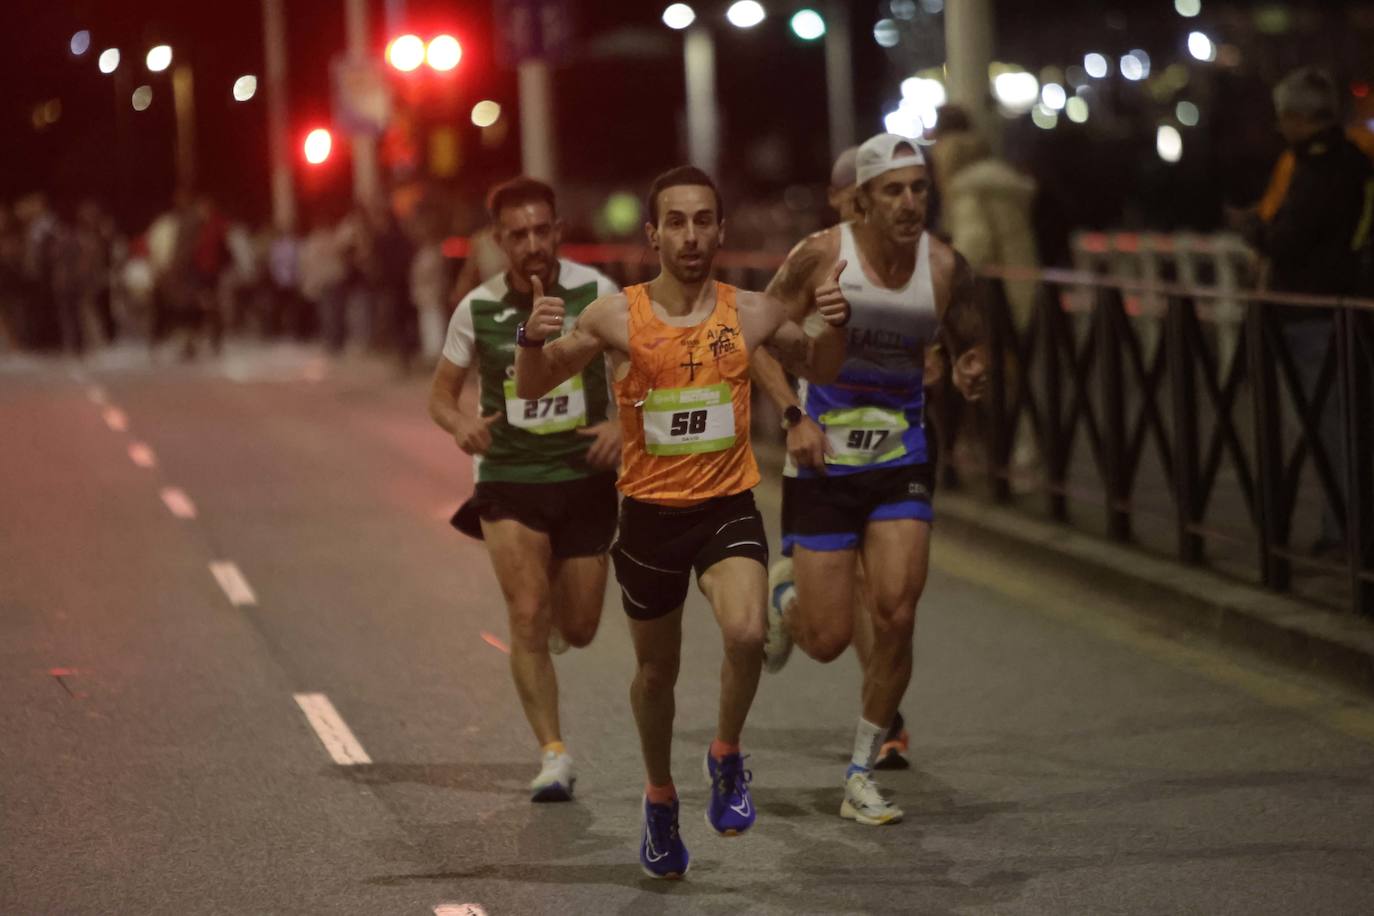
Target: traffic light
<point x="407" y="52"/>
<point x="319" y="143"/>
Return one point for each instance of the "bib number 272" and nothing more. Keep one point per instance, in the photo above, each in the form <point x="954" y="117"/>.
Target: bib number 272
<point x="542" y="407"/>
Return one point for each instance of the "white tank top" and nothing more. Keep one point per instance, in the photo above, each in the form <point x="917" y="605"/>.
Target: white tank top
<point x="881" y="382"/>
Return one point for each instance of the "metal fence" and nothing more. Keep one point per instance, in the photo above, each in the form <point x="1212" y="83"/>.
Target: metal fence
<point x="1090" y="377"/>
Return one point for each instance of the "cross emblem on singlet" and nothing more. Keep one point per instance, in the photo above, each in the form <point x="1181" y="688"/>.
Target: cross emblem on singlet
<point x="691" y="366"/>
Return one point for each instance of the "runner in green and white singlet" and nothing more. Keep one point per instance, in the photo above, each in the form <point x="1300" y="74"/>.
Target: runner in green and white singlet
<point x="544" y="498"/>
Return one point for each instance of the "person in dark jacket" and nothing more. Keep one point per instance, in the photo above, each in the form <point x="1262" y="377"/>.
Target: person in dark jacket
<point x="1314" y="244"/>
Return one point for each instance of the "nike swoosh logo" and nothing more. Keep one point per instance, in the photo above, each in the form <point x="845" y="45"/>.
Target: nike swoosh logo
<point x="651" y="854"/>
<point x="743" y="808"/>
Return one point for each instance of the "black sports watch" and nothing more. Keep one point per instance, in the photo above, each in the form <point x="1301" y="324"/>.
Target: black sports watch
<point x="791" y="416"/>
<point x="522" y="340"/>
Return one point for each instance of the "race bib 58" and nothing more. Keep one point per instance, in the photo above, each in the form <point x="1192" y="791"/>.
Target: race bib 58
<point x="682" y="421"/>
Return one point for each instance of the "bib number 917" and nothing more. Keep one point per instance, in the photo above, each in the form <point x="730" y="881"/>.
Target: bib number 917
<point x="869" y="440"/>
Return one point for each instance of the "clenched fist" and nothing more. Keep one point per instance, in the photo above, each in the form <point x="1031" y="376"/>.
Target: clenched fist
<point x="473" y="434"/>
<point x="830" y="300"/>
<point x="546" y="318"/>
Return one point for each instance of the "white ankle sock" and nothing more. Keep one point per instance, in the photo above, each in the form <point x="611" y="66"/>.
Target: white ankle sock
<point x="868" y="738"/>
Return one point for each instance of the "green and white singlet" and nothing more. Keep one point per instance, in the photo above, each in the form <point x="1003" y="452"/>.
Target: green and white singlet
<point x="537" y="440"/>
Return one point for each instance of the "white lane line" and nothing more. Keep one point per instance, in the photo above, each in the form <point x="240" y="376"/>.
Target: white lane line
<point x="97" y="395"/>
<point x="116" y="419"/>
<point x="459" y="909"/>
<point x="333" y="732"/>
<point x="227" y="574"/>
<point x="178" y="502"/>
<point x="141" y="455"/>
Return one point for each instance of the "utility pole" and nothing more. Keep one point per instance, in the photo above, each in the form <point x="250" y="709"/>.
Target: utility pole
<point x="274" y="45"/>
<point x="364" y="144"/>
<point x="968" y="51"/>
<point x="839" y="79"/>
<point x="703" y="119"/>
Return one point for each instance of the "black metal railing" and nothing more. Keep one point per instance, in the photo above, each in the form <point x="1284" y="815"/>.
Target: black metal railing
<point x="1102" y="389"/>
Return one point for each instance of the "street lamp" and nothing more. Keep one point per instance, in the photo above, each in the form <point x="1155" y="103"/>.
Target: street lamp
<point x="808" y="25"/>
<point x="159" y="58"/>
<point x="108" y="60"/>
<point x="679" y="16"/>
<point x="745" y="14"/>
<point x="245" y="87"/>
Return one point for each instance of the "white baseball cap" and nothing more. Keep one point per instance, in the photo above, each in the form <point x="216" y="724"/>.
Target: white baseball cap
<point x="843" y="173"/>
<point x="882" y="153"/>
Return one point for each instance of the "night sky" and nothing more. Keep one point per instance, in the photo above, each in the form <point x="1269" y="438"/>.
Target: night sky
<point x="620" y="95"/>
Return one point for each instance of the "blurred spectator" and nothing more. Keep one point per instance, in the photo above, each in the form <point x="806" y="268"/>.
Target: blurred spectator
<point x="485" y="260"/>
<point x="987" y="209"/>
<point x="1313" y="244"/>
<point x="428" y="286"/>
<point x="287" y="311"/>
<point x="323" y="274"/>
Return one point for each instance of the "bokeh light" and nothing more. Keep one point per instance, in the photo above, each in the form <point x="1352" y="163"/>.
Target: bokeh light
<point x="486" y="113"/>
<point x="679" y="16"/>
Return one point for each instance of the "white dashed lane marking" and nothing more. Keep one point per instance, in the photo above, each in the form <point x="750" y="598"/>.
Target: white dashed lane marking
<point x="178" y="502"/>
<point x="141" y="455"/>
<point x="227" y="574"/>
<point x="116" y="419"/>
<point x="331" y="729"/>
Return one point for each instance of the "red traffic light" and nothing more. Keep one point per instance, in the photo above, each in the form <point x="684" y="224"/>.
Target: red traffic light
<point x="444" y="53"/>
<point x="406" y="53"/>
<point x="319" y="143"/>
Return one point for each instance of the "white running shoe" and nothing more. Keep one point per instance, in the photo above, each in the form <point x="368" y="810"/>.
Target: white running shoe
<point x="777" y="641"/>
<point x="557" y="643"/>
<point x="555" y="781"/>
<point x="865" y="804"/>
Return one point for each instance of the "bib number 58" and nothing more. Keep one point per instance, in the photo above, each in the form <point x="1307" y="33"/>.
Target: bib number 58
<point x="687" y="422"/>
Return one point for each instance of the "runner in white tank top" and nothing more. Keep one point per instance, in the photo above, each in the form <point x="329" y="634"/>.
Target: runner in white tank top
<point x="860" y="473"/>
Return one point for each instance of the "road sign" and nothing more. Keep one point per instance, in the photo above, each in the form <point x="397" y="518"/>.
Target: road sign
<point x="528" y="29"/>
<point x="362" y="98"/>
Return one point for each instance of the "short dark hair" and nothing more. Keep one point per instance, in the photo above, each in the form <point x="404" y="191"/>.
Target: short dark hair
<point x="677" y="177"/>
<point x="519" y="191"/>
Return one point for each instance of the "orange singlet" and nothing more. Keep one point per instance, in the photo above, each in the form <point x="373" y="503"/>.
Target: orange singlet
<point x="684" y="406"/>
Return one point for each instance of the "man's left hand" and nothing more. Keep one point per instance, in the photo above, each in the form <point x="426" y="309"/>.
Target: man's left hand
<point x="971" y="373"/>
<point x="605" y="450"/>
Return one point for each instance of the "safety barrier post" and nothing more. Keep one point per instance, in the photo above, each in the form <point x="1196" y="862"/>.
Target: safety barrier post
<point x="1355" y="332"/>
<point x="1110" y="312"/>
<point x="1269" y="472"/>
<point x="1183" y="388"/>
<point x="1055" y="446"/>
<point x="998" y="316"/>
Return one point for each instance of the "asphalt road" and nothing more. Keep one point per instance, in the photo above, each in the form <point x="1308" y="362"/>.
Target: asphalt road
<point x="160" y="651"/>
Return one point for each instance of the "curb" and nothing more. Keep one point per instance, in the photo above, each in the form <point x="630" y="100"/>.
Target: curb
<point x="1295" y="633"/>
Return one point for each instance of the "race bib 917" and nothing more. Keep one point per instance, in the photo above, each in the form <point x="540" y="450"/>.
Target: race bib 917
<point x="864" y="435"/>
<point x="684" y="421"/>
<point x="562" y="409"/>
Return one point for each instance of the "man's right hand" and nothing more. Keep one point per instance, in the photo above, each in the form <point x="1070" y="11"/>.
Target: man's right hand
<point x="807" y="445"/>
<point x="546" y="317"/>
<point x="473" y="434"/>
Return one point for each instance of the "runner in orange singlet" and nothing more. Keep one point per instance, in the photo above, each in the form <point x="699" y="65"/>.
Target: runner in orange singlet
<point x="679" y="353"/>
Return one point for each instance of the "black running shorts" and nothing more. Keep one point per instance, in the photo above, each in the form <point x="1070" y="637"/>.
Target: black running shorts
<point x="659" y="546"/>
<point x="577" y="515"/>
<point x="830" y="513"/>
